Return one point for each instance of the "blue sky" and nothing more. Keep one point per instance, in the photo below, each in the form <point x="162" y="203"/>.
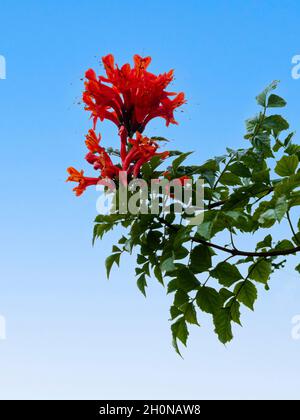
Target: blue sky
<point x="70" y="333"/>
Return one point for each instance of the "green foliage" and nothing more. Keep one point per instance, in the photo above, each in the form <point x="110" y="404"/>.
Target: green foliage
<point x="246" y="191"/>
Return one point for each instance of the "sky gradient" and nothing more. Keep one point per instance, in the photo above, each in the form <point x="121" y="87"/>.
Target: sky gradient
<point x="70" y="332"/>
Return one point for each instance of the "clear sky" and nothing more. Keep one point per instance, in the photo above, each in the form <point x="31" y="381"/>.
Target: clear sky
<point x="70" y="333"/>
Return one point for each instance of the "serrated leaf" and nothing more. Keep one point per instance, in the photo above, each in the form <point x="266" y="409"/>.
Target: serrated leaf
<point x="142" y="284"/>
<point x="114" y="258"/>
<point x="284" y="244"/>
<point x="158" y="274"/>
<point x="190" y="314"/>
<point x="240" y="169"/>
<point x="266" y="243"/>
<point x="205" y="230"/>
<point x="226" y="273"/>
<point x="230" y="179"/>
<point x="116" y="249"/>
<point x="200" y="259"/>
<point x="246" y="293"/>
<point x="208" y="300"/>
<point x="225" y="294"/>
<point x="235" y="313"/>
<point x="276" y="213"/>
<point x="280" y="208"/>
<point x="175" y="312"/>
<point x="287" y="165"/>
<point x="180" y="298"/>
<point x="186" y="280"/>
<point x="222" y="322"/>
<point x="276" y="123"/>
<point x="141" y="259"/>
<point x="180" y="331"/>
<point x="260" y="271"/>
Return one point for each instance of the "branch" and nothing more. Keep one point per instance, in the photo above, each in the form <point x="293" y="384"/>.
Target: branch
<point x="235" y="252"/>
<point x="220" y="203"/>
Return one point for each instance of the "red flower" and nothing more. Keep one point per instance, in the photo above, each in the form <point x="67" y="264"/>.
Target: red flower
<point x="98" y="157"/>
<point x="134" y="97"/>
<point x="142" y="151"/>
<point x="83" y="182"/>
<point x="130" y="97"/>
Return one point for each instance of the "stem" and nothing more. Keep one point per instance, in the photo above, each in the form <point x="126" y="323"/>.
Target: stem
<point x="219" y="177"/>
<point x="231" y="239"/>
<point x="244" y="282"/>
<point x="292" y="228"/>
<point x="211" y="206"/>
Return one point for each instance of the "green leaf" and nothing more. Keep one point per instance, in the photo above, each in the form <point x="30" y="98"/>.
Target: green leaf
<point x="298" y="268"/>
<point x="276" y="213"/>
<point x="186" y="280"/>
<point x="293" y="149"/>
<point x="180" y="298"/>
<point x="222" y="322"/>
<point x="276" y="123"/>
<point x="246" y="293"/>
<point x="276" y="101"/>
<point x="229" y="178"/>
<point x="158" y="274"/>
<point x="181" y="253"/>
<point x="226" y="273"/>
<point x="261" y="176"/>
<point x="180" y="331"/>
<point x="190" y="314"/>
<point x="178" y="161"/>
<point x="296" y="238"/>
<point x="266" y="243"/>
<point x="284" y="244"/>
<point x="172" y="286"/>
<point x="114" y="258"/>
<point x="277" y="146"/>
<point x="142" y="284"/>
<point x="281" y="207"/>
<point x="208" y="300"/>
<point x="116" y="249"/>
<point x="168" y="265"/>
<point x="287" y="165"/>
<point x="175" y="312"/>
<point x="200" y="259"/>
<point x="262" y="97"/>
<point x="240" y="169"/>
<point x="141" y="259"/>
<point x="235" y="313"/>
<point x="225" y="294"/>
<point x="205" y="229"/>
<point x="260" y="271"/>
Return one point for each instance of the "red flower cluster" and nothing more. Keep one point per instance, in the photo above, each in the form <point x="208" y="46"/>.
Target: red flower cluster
<point x="129" y="97"/>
